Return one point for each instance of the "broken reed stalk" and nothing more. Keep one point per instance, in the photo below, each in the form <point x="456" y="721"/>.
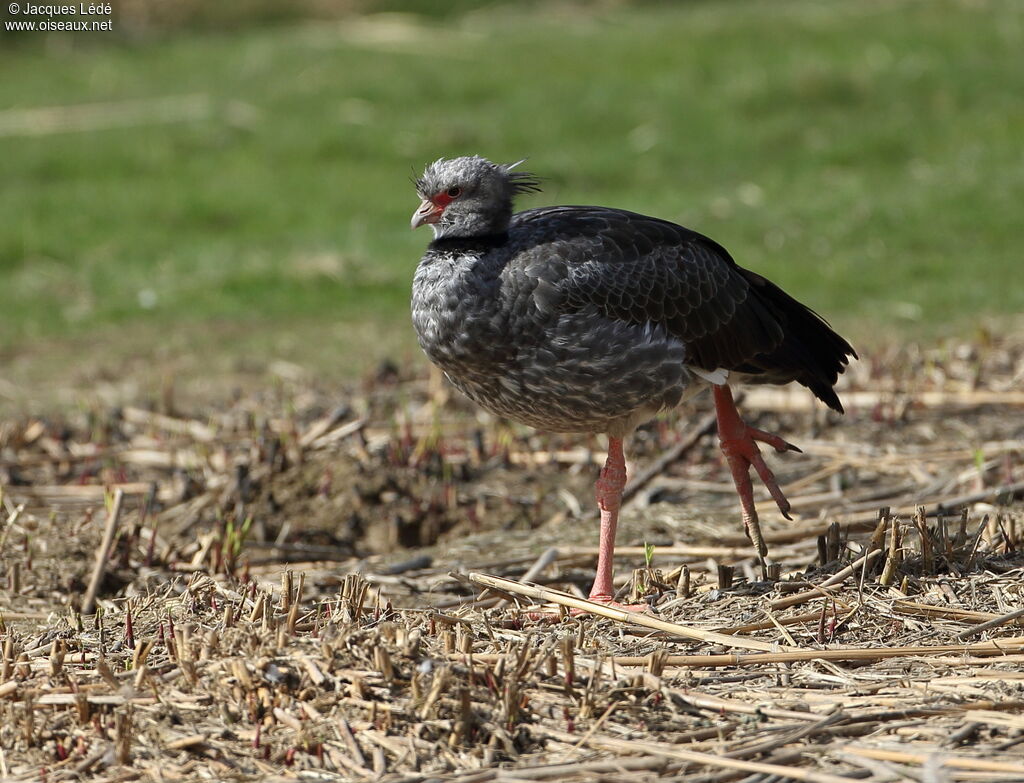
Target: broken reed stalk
<point x="894" y="553"/>
<point x="547" y="557"/>
<point x="945" y="760"/>
<point x="801" y="598"/>
<point x="995" y="622"/>
<point x="675" y="452"/>
<point x="620" y="615"/>
<point x="103" y="553"/>
<point x="703" y="701"/>
<point x="694" y="757"/>
<point x="772" y="622"/>
<point x="1000" y="647"/>
<point x="921" y="524"/>
<point x="597" y="769"/>
<point x="670" y="551"/>
<point x="323" y="425"/>
<point x="990" y="648"/>
<point x="858" y="523"/>
<point x="950" y="612"/>
<point x="186" y="742"/>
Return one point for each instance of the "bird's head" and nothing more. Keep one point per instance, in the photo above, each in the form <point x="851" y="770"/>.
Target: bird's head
<point x="470" y="196"/>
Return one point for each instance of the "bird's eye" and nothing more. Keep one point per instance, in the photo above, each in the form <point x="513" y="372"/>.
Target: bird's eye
<point x="454" y="192"/>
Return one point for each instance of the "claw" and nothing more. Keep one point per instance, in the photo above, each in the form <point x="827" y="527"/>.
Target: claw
<point x="739" y="444"/>
<point x="777" y="443"/>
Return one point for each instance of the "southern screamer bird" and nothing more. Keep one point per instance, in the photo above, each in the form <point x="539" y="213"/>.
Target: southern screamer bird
<point x="593" y="319"/>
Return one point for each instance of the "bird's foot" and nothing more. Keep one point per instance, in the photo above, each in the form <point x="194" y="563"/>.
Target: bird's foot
<point x="553" y="615"/>
<point x="739" y="444"/>
<point x="742" y="454"/>
<point x="609" y="601"/>
<point x="777" y="443"/>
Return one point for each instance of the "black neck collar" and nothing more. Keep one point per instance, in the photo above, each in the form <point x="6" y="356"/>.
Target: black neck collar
<point x="462" y="244"/>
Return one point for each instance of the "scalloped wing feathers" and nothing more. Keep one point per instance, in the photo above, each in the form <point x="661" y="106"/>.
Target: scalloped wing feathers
<point x="641" y="270"/>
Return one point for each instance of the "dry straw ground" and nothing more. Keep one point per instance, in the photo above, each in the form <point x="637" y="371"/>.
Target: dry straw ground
<point x="301" y="587"/>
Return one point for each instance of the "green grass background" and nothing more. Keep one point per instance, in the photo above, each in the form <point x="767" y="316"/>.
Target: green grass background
<point x="868" y="156"/>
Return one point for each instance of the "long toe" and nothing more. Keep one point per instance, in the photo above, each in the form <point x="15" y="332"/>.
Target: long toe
<point x="773" y="440"/>
<point x="768" y="478"/>
<point x="742" y="454"/>
<point x="607" y="600"/>
<point x="554" y="615"/>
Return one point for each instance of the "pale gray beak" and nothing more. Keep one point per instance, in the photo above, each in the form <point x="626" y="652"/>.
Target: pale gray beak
<point x="428" y="212"/>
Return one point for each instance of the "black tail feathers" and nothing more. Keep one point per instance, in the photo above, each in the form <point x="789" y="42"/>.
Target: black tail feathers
<point x="811" y="352"/>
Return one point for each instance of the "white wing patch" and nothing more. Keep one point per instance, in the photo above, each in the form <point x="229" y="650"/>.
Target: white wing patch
<point x="718" y="376"/>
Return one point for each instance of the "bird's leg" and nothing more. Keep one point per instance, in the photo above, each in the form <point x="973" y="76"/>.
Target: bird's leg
<point x="739" y="444"/>
<point x="609" y="488"/>
<point x="609" y="497"/>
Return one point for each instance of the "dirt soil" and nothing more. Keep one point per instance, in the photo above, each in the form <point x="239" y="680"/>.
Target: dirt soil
<point x="292" y="584"/>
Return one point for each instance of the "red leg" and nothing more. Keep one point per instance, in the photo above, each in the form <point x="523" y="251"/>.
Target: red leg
<point x="739" y="444"/>
<point x="609" y="498"/>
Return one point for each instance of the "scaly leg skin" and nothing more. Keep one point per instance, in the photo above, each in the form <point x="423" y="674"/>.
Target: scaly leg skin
<point x="609" y="498"/>
<point x="738" y="441"/>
